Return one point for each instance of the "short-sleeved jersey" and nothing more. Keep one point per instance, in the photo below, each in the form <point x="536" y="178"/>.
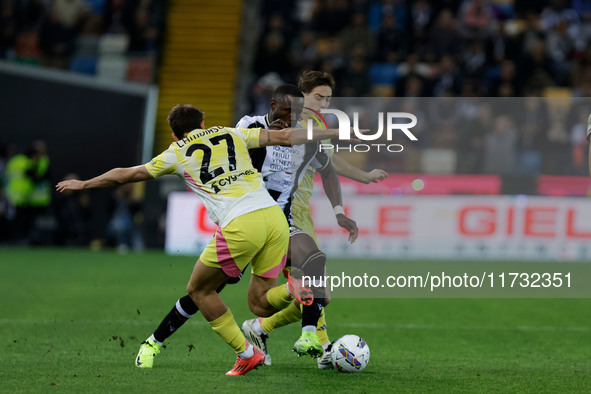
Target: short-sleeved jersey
<point x="215" y="165"/>
<point x="283" y="167"/>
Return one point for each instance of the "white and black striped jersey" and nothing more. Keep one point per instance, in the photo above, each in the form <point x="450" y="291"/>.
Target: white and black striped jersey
<point x="283" y="167"/>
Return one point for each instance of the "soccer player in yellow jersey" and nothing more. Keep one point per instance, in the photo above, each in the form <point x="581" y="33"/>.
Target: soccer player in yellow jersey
<point x="215" y="165"/>
<point x="317" y="87"/>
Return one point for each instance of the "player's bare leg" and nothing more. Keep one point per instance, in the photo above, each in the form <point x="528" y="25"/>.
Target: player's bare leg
<point x="202" y="289"/>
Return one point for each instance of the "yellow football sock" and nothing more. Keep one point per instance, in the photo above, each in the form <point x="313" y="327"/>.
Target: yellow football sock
<point x="321" y="328"/>
<point x="279" y="297"/>
<point x="225" y="326"/>
<point x="289" y="315"/>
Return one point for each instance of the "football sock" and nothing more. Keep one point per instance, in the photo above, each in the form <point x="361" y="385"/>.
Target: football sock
<point x="289" y="315"/>
<point x="225" y="326"/>
<point x="279" y="297"/>
<point x="178" y="315"/>
<point x="248" y="353"/>
<point x="311" y="314"/>
<point x="313" y="267"/>
<point x="321" y="329"/>
<point x="257" y="327"/>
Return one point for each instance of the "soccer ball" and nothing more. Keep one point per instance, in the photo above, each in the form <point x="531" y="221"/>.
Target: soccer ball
<point x="350" y="353"/>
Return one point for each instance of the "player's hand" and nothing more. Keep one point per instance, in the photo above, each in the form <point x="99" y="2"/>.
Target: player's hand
<point x="278" y="124"/>
<point x="376" y="175"/>
<point x="349" y="225"/>
<point x="69" y="185"/>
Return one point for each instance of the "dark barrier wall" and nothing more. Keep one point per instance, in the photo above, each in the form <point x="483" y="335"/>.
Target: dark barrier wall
<point x="87" y="129"/>
<point x="89" y="126"/>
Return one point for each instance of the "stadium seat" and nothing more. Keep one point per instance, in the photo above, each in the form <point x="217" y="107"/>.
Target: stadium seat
<point x="83" y="64"/>
<point x="556" y="91"/>
<point x="27" y="48"/>
<point x="140" y="69"/>
<point x="113" y="44"/>
<point x="382" y="91"/>
<point x="97" y="6"/>
<point x="383" y="73"/>
<point x="113" y="67"/>
<point x="87" y="45"/>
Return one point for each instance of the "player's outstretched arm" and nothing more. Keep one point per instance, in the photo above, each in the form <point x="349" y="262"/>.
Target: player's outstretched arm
<point x="332" y="188"/>
<point x="344" y="168"/>
<point x="294" y="136"/>
<point x="114" y="177"/>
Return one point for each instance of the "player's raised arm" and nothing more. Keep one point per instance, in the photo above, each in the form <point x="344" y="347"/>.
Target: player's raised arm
<point x="114" y="177"/>
<point x="294" y="136"/>
<point x="332" y="188"/>
<point x="298" y="136"/>
<point x="344" y="168"/>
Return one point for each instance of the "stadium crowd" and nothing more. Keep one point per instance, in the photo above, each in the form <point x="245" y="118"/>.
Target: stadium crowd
<point x="450" y="48"/>
<point x="423" y="52"/>
<point x="110" y="38"/>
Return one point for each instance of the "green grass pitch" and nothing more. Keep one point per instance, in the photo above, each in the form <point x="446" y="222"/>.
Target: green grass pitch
<point x="72" y="321"/>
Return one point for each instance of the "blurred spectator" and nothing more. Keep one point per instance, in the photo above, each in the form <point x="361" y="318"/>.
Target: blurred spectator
<point x="357" y="35"/>
<point x="476" y="18"/>
<point x="444" y="37"/>
<point x="557" y="160"/>
<point x="271" y="56"/>
<point x="531" y="33"/>
<point x="143" y="28"/>
<point x="474" y="60"/>
<point x="114" y="16"/>
<point x="330" y="16"/>
<point x="410" y="69"/>
<point x="421" y="17"/>
<point x="532" y="118"/>
<point x="507" y="76"/>
<point x="448" y="77"/>
<point x="471" y="141"/>
<point x="500" y="46"/>
<point x="389" y="39"/>
<point x="7" y="210"/>
<point x="560" y="47"/>
<point x="333" y="58"/>
<point x="9" y="26"/>
<point x="32" y="14"/>
<point x="125" y="218"/>
<point x="262" y="91"/>
<point x="535" y="69"/>
<point x="60" y="29"/>
<point x="581" y="71"/>
<point x="500" y="147"/>
<point x="73" y="212"/>
<point x="356" y="81"/>
<point x="19" y="188"/>
<point x="40" y="173"/>
<point x="579" y="144"/>
<point x="304" y="53"/>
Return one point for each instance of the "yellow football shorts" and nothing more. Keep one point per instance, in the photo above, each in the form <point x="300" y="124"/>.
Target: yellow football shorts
<point x="302" y="219"/>
<point x="260" y="237"/>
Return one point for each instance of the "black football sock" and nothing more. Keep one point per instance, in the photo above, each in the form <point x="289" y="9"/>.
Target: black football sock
<point x="311" y="314"/>
<point x="178" y="315"/>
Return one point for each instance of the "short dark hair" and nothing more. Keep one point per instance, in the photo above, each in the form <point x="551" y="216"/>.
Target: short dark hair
<point x="184" y="118"/>
<point x="311" y="79"/>
<point x="287" y="90"/>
